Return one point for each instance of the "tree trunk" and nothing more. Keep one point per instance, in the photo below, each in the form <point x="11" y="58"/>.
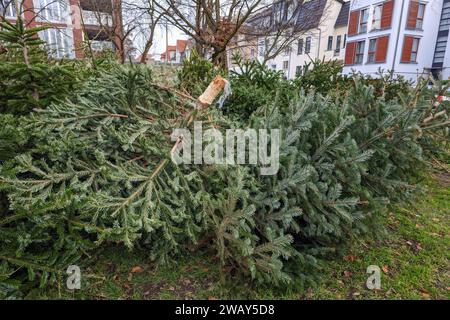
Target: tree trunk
<point x="219" y="58"/>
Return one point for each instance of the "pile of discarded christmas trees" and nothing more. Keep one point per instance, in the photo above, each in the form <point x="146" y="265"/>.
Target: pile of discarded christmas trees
<point x="95" y="167"/>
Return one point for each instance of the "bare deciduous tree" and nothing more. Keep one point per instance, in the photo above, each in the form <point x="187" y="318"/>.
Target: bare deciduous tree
<point x="150" y="18"/>
<point x="212" y="24"/>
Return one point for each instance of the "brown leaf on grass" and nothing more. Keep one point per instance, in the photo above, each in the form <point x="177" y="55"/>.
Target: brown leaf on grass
<point x="424" y="293"/>
<point x="350" y="258"/>
<point x="212" y="298"/>
<point x="137" y="269"/>
<point x="347" y="274"/>
<point x="385" y="268"/>
<point x="434" y="234"/>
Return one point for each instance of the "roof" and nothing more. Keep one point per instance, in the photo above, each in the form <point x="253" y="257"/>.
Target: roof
<point x="310" y="14"/>
<point x="181" y="45"/>
<point x="342" y="19"/>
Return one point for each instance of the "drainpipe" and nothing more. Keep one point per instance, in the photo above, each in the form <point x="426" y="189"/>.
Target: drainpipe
<point x="398" y="38"/>
<point x="320" y="39"/>
<point x="290" y="65"/>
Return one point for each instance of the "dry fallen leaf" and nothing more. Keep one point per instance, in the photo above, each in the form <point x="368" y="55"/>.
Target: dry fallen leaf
<point x="137" y="269"/>
<point x="385" y="268"/>
<point x="212" y="298"/>
<point x="424" y="293"/>
<point x="350" y="258"/>
<point x="347" y="274"/>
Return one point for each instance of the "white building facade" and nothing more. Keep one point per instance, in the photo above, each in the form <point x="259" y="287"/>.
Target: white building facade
<point x="323" y="37"/>
<point x="397" y="36"/>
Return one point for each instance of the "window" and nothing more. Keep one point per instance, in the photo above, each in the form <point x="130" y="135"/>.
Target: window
<point x="445" y="18"/>
<point x="274" y="67"/>
<point x="290" y="11"/>
<point x="287" y="50"/>
<point x="420" y="16"/>
<point x="51" y="10"/>
<point x="416" y="15"/>
<point x="59" y="41"/>
<point x="338" y="46"/>
<point x="372" y="50"/>
<point x="359" y="55"/>
<point x="345" y="41"/>
<point x="300" y="47"/>
<point x="285" y="65"/>
<point x="330" y="43"/>
<point x="278" y="13"/>
<point x="363" y="18"/>
<point x="308" y="45"/>
<point x="298" y="71"/>
<point x="261" y="48"/>
<point x="378" y="48"/>
<point x="439" y="52"/>
<point x="172" y="55"/>
<point x="415" y="49"/>
<point x="410" y="49"/>
<point x="377" y="13"/>
<point x="8" y="8"/>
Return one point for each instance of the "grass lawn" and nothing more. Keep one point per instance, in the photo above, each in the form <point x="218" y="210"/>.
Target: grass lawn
<point x="414" y="259"/>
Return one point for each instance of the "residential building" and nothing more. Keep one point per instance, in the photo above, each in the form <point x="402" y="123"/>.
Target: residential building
<point x="397" y="36"/>
<point x="243" y="44"/>
<point x="440" y="67"/>
<point x="175" y="54"/>
<point x="149" y="59"/>
<point x="320" y="33"/>
<point x="102" y="22"/>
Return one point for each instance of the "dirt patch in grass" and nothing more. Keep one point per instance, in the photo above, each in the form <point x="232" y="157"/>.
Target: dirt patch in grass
<point x="442" y="178"/>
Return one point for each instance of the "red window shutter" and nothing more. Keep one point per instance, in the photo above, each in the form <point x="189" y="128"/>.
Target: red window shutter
<point x="407" y="48"/>
<point x="382" y="46"/>
<point x="350" y="53"/>
<point x="353" y="23"/>
<point x="386" y="14"/>
<point x="412" y="14"/>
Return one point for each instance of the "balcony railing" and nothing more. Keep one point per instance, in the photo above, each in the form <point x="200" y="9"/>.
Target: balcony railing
<point x="97" y="45"/>
<point x="97" y="18"/>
